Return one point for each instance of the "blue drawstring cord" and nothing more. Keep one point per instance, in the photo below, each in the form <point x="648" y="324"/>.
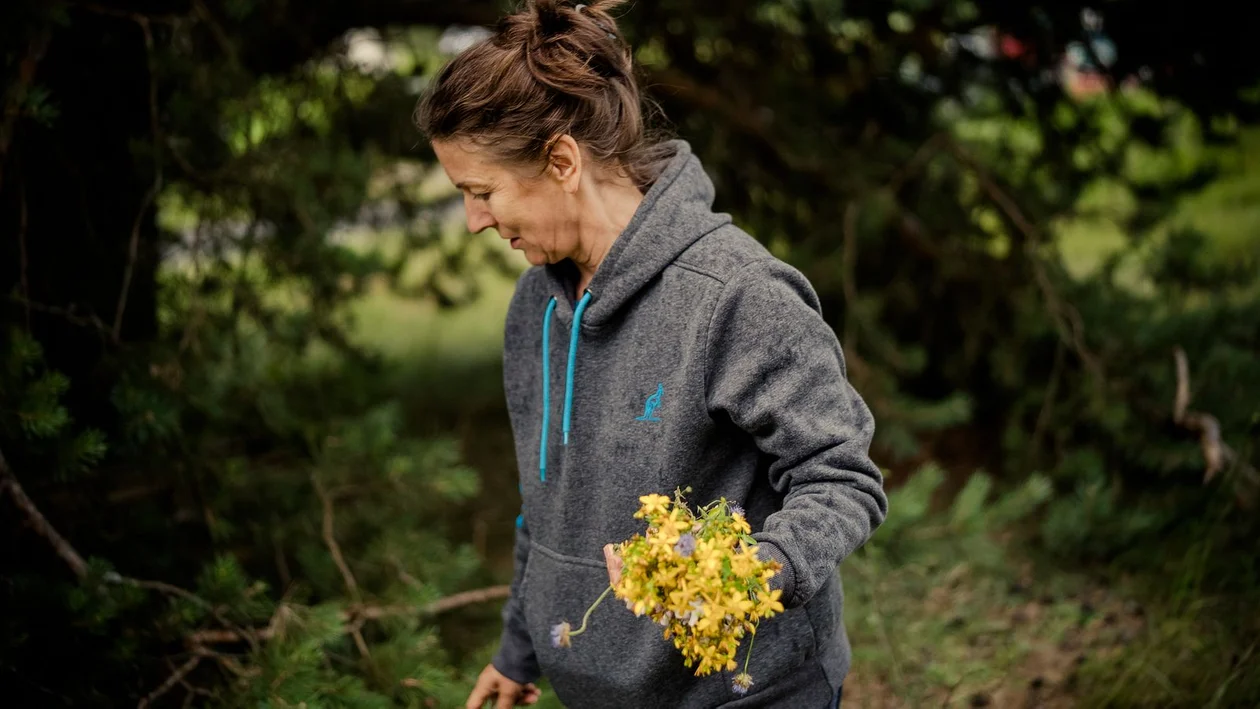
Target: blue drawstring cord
<point x="546" y="384"/>
<point x="568" y="383"/>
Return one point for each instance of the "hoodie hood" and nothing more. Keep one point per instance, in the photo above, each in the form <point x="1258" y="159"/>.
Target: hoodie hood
<point x="674" y="214"/>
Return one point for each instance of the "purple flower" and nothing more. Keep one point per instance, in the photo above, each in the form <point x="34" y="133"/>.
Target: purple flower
<point x="741" y="683"/>
<point x="686" y="544"/>
<point x="560" y="635"/>
<point x="736" y="509"/>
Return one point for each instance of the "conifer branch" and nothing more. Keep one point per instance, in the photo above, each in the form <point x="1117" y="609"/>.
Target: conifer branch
<point x="330" y="538"/>
<point x="198" y="641"/>
<point x="38" y="522"/>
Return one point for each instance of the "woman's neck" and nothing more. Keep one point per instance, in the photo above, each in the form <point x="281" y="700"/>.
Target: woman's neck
<point x="607" y="210"/>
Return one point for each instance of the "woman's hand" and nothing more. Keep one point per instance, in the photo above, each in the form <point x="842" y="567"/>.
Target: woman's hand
<point x="506" y="693"/>
<point x="614" y="564"/>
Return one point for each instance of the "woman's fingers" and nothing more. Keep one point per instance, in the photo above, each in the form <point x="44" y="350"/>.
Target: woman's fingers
<point x="480" y="693"/>
<point x="530" y="695"/>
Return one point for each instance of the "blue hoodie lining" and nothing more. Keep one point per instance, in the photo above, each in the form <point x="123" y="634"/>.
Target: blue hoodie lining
<point x="568" y="380"/>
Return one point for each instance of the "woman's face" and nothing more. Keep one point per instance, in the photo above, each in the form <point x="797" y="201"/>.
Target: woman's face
<point x="537" y="213"/>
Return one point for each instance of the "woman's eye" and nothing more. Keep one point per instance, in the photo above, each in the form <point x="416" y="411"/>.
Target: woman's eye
<point x="483" y="196"/>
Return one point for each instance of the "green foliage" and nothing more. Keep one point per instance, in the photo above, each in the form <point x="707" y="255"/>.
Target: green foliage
<point x="916" y="528"/>
<point x="1004" y="262"/>
<point x="286" y="451"/>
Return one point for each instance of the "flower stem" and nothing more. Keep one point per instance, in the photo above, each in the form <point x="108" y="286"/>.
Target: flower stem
<point x="751" y="640"/>
<point x="587" y="617"/>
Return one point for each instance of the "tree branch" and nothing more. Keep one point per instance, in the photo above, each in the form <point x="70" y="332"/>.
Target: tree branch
<point x="354" y="617"/>
<point x="91" y="321"/>
<point x="175" y="678"/>
<point x="38" y="522"/>
<point x="467" y="598"/>
<point x="330" y="539"/>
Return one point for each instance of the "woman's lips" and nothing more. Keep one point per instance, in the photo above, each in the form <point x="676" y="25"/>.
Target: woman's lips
<point x="515" y="241"/>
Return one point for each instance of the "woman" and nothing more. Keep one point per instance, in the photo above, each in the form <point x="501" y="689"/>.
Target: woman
<point x="653" y="346"/>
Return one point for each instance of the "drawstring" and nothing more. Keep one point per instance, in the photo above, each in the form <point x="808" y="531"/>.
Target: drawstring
<point x="568" y="383"/>
<point x="546" y="377"/>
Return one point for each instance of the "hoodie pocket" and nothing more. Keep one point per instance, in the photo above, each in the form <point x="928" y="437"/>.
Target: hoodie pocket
<point x="623" y="660"/>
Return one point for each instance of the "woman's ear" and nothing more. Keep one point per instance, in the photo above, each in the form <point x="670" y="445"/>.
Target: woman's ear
<point x="564" y="163"/>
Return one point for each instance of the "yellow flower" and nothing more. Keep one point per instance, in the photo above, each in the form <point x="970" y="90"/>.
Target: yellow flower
<point x="707" y="594"/>
<point x="769" y="603"/>
<point x="652" y="504"/>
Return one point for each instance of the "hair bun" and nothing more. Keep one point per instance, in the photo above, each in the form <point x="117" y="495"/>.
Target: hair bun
<point x="550" y="18"/>
<point x="554" y="67"/>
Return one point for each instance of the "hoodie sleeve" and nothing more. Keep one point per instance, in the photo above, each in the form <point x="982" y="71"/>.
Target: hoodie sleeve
<point x="516" y="659"/>
<point x="776" y="370"/>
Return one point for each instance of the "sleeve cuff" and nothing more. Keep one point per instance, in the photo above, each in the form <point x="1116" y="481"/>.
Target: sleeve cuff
<point x="520" y="672"/>
<point x="785" y="580"/>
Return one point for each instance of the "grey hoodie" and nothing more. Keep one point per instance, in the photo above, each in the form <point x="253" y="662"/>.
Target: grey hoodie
<point x="699" y="360"/>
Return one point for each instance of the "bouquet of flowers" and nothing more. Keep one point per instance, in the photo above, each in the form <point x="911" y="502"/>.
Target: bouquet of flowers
<point x="698" y="576"/>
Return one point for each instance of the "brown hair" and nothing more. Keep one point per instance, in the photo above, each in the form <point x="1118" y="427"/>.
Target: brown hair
<point x="549" y="69"/>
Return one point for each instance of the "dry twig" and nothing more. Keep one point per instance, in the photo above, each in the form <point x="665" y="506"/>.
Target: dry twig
<point x="330" y="538"/>
<point x="170" y="682"/>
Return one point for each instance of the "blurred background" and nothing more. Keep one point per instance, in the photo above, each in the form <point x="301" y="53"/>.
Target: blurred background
<point x="253" y="444"/>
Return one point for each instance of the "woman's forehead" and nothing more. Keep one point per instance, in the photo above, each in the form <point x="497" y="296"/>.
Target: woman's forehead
<point x="465" y="162"/>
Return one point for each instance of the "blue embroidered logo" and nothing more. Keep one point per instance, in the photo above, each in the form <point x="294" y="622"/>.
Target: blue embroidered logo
<point x="652" y="404"/>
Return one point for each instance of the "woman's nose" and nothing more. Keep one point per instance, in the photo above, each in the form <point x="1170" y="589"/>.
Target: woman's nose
<point x="477" y="216"/>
